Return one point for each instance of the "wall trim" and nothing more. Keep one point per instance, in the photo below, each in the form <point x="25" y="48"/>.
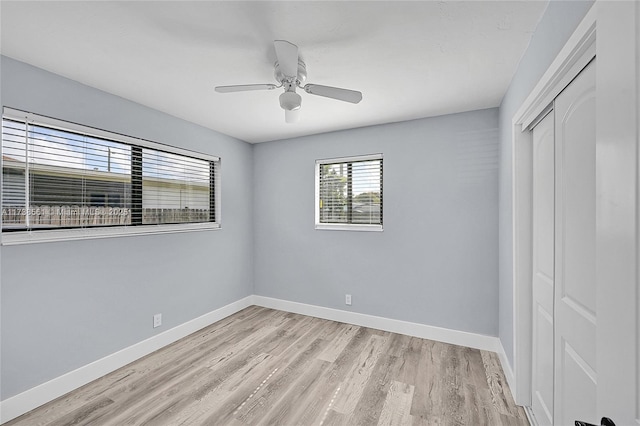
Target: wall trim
<point x="26" y="401"/>
<point x="532" y="419"/>
<point x="48" y="391"/>
<point x="506" y="368"/>
<point x="445" y="335"/>
<point x="572" y="58"/>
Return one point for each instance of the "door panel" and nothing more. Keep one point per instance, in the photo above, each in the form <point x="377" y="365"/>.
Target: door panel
<point x="575" y="310"/>
<point x="543" y="270"/>
<point x="577" y="372"/>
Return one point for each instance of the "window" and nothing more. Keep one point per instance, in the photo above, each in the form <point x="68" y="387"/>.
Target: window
<point x="59" y="175"/>
<point x="349" y="193"/>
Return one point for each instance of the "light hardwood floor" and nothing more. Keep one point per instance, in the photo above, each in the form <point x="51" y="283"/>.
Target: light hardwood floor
<point x="262" y="366"/>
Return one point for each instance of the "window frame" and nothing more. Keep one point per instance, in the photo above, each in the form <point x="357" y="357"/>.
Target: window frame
<point x="79" y="233"/>
<point x="346" y="226"/>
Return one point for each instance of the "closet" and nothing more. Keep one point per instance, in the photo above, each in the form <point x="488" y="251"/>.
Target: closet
<point x="564" y="375"/>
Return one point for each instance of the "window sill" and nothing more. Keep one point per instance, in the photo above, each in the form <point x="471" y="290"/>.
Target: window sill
<point x="30" y="237"/>
<point x="348" y="227"/>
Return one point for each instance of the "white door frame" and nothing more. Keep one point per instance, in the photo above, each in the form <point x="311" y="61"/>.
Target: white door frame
<point x="576" y="54"/>
<point x="616" y="26"/>
<point x="617" y="183"/>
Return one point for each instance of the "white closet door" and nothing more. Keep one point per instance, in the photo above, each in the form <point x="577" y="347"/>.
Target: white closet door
<point x="575" y="276"/>
<point x="543" y="270"/>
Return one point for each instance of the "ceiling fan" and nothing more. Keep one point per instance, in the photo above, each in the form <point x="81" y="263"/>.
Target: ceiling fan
<point x="290" y="72"/>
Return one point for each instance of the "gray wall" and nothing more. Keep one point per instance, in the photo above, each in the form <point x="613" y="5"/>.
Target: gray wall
<point x="67" y="304"/>
<point x="554" y="29"/>
<point x="444" y="249"/>
<point x="435" y="262"/>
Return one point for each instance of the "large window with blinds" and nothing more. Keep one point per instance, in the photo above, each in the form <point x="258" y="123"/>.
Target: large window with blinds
<point x="60" y="175"/>
<point x="349" y="193"/>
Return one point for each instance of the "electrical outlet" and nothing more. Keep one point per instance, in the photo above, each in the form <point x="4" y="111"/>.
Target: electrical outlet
<point x="157" y="320"/>
<point x="347" y="299"/>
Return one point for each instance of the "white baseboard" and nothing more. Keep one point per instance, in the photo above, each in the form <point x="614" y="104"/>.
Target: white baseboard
<point x="41" y="394"/>
<point x="462" y="338"/>
<point x="530" y="416"/>
<point x="506" y="368"/>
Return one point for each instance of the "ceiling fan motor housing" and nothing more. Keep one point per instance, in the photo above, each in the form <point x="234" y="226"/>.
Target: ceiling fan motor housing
<point x="282" y="78"/>
<point x="290" y="100"/>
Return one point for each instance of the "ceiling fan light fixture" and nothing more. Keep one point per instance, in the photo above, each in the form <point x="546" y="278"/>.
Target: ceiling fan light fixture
<point x="290" y="101"/>
<point x="292" y="116"/>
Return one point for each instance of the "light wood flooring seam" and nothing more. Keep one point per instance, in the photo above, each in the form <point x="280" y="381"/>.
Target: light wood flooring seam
<point x="266" y="367"/>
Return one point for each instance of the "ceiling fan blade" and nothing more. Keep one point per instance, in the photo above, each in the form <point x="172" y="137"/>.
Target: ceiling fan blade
<point x="334" y="92"/>
<point x="245" y="87"/>
<point x="287" y="54"/>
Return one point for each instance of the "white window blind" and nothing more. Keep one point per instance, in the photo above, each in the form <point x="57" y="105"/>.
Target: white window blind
<point x="349" y="192"/>
<point x="175" y="188"/>
<point x="62" y="175"/>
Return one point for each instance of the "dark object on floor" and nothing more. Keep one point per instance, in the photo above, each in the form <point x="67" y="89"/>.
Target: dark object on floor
<point x="606" y="421"/>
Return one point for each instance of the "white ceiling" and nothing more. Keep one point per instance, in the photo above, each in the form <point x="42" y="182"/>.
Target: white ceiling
<point x="409" y="59"/>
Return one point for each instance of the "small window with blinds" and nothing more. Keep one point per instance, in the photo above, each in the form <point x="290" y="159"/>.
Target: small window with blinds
<point x="349" y="193"/>
<point x="59" y="175"/>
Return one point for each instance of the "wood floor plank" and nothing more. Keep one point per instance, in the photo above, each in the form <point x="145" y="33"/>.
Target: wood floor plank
<point x="261" y="366"/>
<point x="219" y="335"/>
<point x="338" y="343"/>
<point x="194" y="407"/>
<point x="395" y="411"/>
<point x="501" y="397"/>
<point x="429" y="389"/>
<point x="325" y="389"/>
<point x="333" y="418"/>
<point x="411" y="361"/>
<point x="452" y="376"/>
<point x="477" y="394"/>
<point x="269" y="397"/>
<point x="150" y="390"/>
<point x="331" y="329"/>
<point x="83" y="415"/>
<point x="313" y="410"/>
<point x="285" y="408"/>
<point x="355" y="381"/>
<point x="385" y="372"/>
<point x="85" y="395"/>
<point x="301" y="344"/>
